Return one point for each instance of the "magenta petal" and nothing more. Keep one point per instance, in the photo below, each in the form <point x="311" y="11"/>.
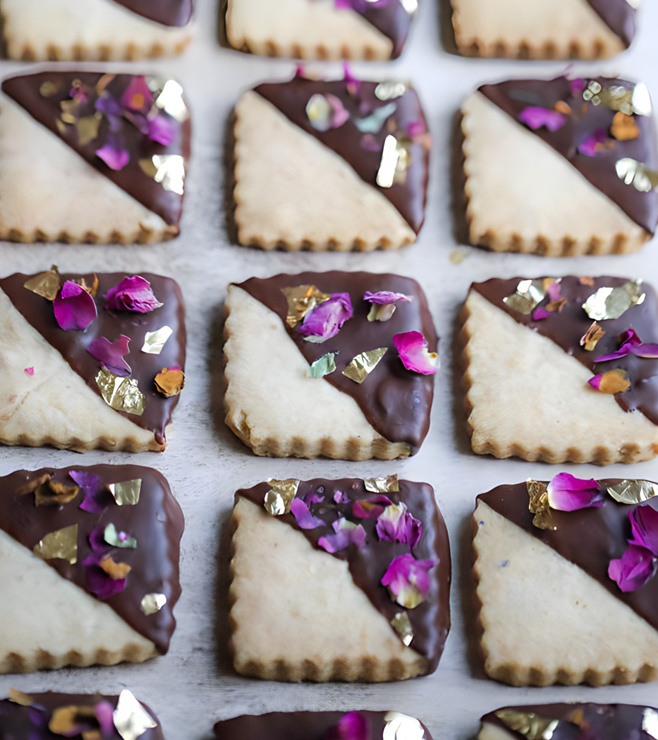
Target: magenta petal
<point x="162" y="130"/>
<point x="313" y="498"/>
<point x="649" y="351"/>
<point x="635" y="567"/>
<point x="629" y="342"/>
<point x="74" y="308"/>
<point x="416" y="128"/>
<point x="644" y="527"/>
<point x="340" y="497"/>
<point x="351" y="726"/>
<point x="396" y="524"/>
<point x="346" y="535"/>
<point x="540" y="313"/>
<point x="412" y="348"/>
<point x="91" y="488"/>
<point x="132" y="294"/>
<point x="406" y="576"/>
<point x="115" y="158"/>
<point x="591" y="146"/>
<point x="101" y="585"/>
<point x="111" y="354"/>
<point x="577" y="86"/>
<point x="368" y="508"/>
<point x="137" y="96"/>
<point x="384" y="297"/>
<point x="326" y="320"/>
<point x="567" y="493"/>
<point x="105" y="716"/>
<point x="536" y="117"/>
<point x="97" y="540"/>
<point x="303" y="516"/>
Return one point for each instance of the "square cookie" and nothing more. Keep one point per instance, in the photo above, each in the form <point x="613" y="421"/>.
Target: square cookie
<point x="560" y="167"/>
<point x="63" y="30"/>
<point x="87" y="157"/>
<point x="99" y="548"/>
<point x="562" y="369"/>
<point x="535" y="29"/>
<point x="91" y="361"/>
<point x="337" y="364"/>
<point x="339" y="580"/>
<point x="78" y="716"/>
<point x="330" y="165"/>
<point x="321" y="725"/>
<point x="578" y="721"/>
<point x="320" y="29"/>
<point x="565" y="581"/>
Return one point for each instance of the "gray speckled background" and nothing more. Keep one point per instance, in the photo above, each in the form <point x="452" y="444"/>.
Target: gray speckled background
<point x="193" y="686"/>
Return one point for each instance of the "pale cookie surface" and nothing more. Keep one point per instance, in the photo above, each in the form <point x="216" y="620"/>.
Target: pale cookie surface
<point x="298" y="615"/>
<point x="493" y="732"/>
<point x="546" y="621"/>
<point x="565" y="215"/>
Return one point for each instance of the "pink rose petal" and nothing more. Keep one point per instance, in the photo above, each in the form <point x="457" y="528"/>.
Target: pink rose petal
<point x="567" y="493"/>
<point x="111" y="354"/>
<point x="313" y="498"/>
<point x="635" y="567"/>
<point x="162" y="130"/>
<point x="74" y="308"/>
<point x="92" y="490"/>
<point x="594" y="144"/>
<point x="137" y="96"/>
<point x="114" y="157"/>
<point x="105" y="716"/>
<point x="29" y="371"/>
<point x="368" y="508"/>
<point x="340" y="497"/>
<point x="303" y="516"/>
<point x="412" y="348"/>
<point x="577" y="86"/>
<point x="644" y="527"/>
<point x="396" y="524"/>
<point x="631" y="344"/>
<point x="351" y="726"/>
<point x="407" y="579"/>
<point x="535" y="117"/>
<point x="347" y="533"/>
<point x="384" y="297"/>
<point x="132" y="294"/>
<point x="326" y="320"/>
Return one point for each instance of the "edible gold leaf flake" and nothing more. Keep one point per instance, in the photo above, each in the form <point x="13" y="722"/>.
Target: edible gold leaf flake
<point x="279" y="497"/>
<point x="154" y="341"/>
<point x="323" y="366"/>
<point x="122" y="394"/>
<point x="18" y="697"/>
<point x="170" y="99"/>
<point x="615" y="97"/>
<point x="131" y="720"/>
<point x="88" y="128"/>
<point x="650" y="722"/>
<point x="389" y="484"/>
<point x="633" y="491"/>
<point x="64" y="720"/>
<point x="390" y="90"/>
<point x="394" y="162"/>
<point x="363" y="364"/>
<point x="538" y="504"/>
<point x="61" y="544"/>
<point x="402" y="727"/>
<point x="126" y="493"/>
<point x="592" y="337"/>
<point x="532" y="726"/>
<point x="529" y="294"/>
<point x="402" y="625"/>
<point x="170" y="382"/>
<point x="611" y="303"/>
<point x="114" y="570"/>
<point x="166" y="169"/>
<point x="48" y="89"/>
<point x="152" y="603"/>
<point x="382" y="312"/>
<point x="46" y="284"/>
<point x="302" y="299"/>
<point x="634" y="173"/>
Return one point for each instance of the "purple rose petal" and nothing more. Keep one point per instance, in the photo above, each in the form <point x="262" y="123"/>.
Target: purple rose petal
<point x="105" y="717"/>
<point x="644" y="527"/>
<point x="412" y="348"/>
<point x="137" y="96"/>
<point x="162" y="130"/>
<point x="408" y="579"/>
<point x="635" y="567"/>
<point x="351" y="726"/>
<point x="303" y="516"/>
<point x="567" y="493"/>
<point x="384" y="297"/>
<point x="368" y="508"/>
<point x="111" y="354"/>
<point x="97" y="540"/>
<point x="101" y="584"/>
<point x="74" y="308"/>
<point x="132" y="294"/>
<point x="340" y="497"/>
<point x="396" y="524"/>
<point x="326" y="320"/>
<point x="593" y="144"/>
<point x="313" y="498"/>
<point x="113" y="156"/>
<point x="577" y="86"/>
<point x="631" y="344"/>
<point x="535" y="117"/>
<point x="92" y="490"/>
<point x="347" y="534"/>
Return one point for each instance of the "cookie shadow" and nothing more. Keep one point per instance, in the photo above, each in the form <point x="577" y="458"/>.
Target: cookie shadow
<point x="228" y="147"/>
<point x="446" y="31"/>
<point x="222" y="38"/>
<point x="457" y="368"/>
<point x="470" y="606"/>
<point x="458" y="200"/>
<point x="222" y="601"/>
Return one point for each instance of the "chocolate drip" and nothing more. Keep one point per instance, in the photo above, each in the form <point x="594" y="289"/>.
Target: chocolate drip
<point x="21" y="723"/>
<point x="390" y="18"/>
<point x="584" y="121"/>
<point x="156" y="522"/>
<point x="166" y="12"/>
<point x="588" y="538"/>
<point x="595" y="721"/>
<point x="297" y="725"/>
<point x="72" y="345"/>
<point x="409" y="196"/>
<point x="396" y="401"/>
<point x="567" y="327"/>
<point x="430" y="620"/>
<point x="619" y="15"/>
<point x="26" y="91"/>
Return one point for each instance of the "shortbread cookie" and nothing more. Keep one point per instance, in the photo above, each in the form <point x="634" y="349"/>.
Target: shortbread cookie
<point x="330" y="165"/>
<point x="339" y="580"/>
<point x="90" y="361"/>
<point x="535" y="29"/>
<point x="311" y="371"/>
<point x="570" y="721"/>
<point x="566" y="581"/>
<point x="561" y="167"/>
<point x="91" y="157"/>
<point x="61" y="30"/>
<point x="95" y="547"/>
<point x="355" y="725"/>
<point x="320" y="29"/>
<point x="537" y="384"/>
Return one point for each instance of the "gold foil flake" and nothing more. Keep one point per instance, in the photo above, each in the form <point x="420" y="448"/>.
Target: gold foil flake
<point x="131" y="720"/>
<point x="61" y="544"/>
<point x="390" y="89"/>
<point x="279" y="497"/>
<point x="91" y="289"/>
<point x="126" y="493"/>
<point x="402" y="727"/>
<point x="363" y="364"/>
<point x="650" y="722"/>
<point x="170" y="99"/>
<point x="65" y="720"/>
<point x="46" y="284"/>
<point x="166" y="169"/>
<point x="389" y="484"/>
<point x="624" y="127"/>
<point x="122" y="394"/>
<point x="49" y="88"/>
<point x="394" y="162"/>
<point x="170" y="382"/>
<point x="615" y="97"/>
<point x="592" y="337"/>
<point x="18" y="697"/>
<point x="116" y="571"/>
<point x="152" y="603"/>
<point x="611" y="303"/>
<point x="532" y="726"/>
<point x="324" y="365"/>
<point x="88" y="128"/>
<point x="633" y="491"/>
<point x="529" y="294"/>
<point x="382" y="312"/>
<point x="402" y="625"/>
<point x="154" y="341"/>
<point x="301" y="300"/>
<point x="539" y="506"/>
<point x="634" y="173"/>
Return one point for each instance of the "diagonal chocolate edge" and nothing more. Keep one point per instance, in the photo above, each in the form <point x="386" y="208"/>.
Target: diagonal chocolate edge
<point x="72" y="345"/>
<point x="359" y="100"/>
<point x="396" y="402"/>
<point x="567" y="327"/>
<point x="588" y="538"/>
<point x="390" y="18"/>
<point x="430" y="620"/>
<point x="156" y="522"/>
<point x="26" y="91"/>
<point x="513" y="96"/>
<point x="167" y="12"/>
<point x="619" y="15"/>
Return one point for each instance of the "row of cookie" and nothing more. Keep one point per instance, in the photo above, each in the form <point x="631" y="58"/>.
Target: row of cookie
<point x="354" y="153"/>
<point x="97" y="361"/>
<point x="576" y="558"/>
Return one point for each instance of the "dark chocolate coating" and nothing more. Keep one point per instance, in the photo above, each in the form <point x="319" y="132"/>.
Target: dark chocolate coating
<point x="396" y="401"/>
<point x="568" y="326"/>
<point x="295" y="726"/>
<point x="391" y="19"/>
<point x="25" y="90"/>
<point x="430" y="620"/>
<point x="619" y="15"/>
<point x="72" y="345"/>
<point x="167" y="12"/>
<point x="409" y="196"/>
<point x="156" y="522"/>
<point x="589" y="538"/>
<point x="599" y="721"/>
<point x="514" y="96"/>
<point x="31" y="723"/>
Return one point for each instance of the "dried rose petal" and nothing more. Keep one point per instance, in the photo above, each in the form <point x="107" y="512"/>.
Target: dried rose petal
<point x="535" y="117"/>
<point x="631" y="344"/>
<point x="303" y="516"/>
<point x="347" y="533"/>
<point x="99" y="583"/>
<point x="132" y="294"/>
<point x="351" y="726"/>
<point x="104" y="715"/>
<point x="111" y="354"/>
<point x="137" y="96"/>
<point x="162" y="130"/>
<point x="113" y="156"/>
<point x="594" y="144"/>
<point x="384" y="297"/>
<point x="407" y="580"/>
<point x="412" y="348"/>
<point x="577" y="86"/>
<point x="644" y="527"/>
<point x="313" y="498"/>
<point x="90" y="483"/>
<point x="325" y="321"/>
<point x="29" y="371"/>
<point x="567" y="493"/>
<point x="592" y="337"/>
<point x="614" y="381"/>
<point x="326" y="112"/>
<point x="368" y="508"/>
<point x="396" y="524"/>
<point x="74" y="308"/>
<point x="340" y="497"/>
<point x="635" y="567"/>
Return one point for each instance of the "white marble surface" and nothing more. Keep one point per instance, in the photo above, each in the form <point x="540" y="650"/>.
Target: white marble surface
<point x="193" y="686"/>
